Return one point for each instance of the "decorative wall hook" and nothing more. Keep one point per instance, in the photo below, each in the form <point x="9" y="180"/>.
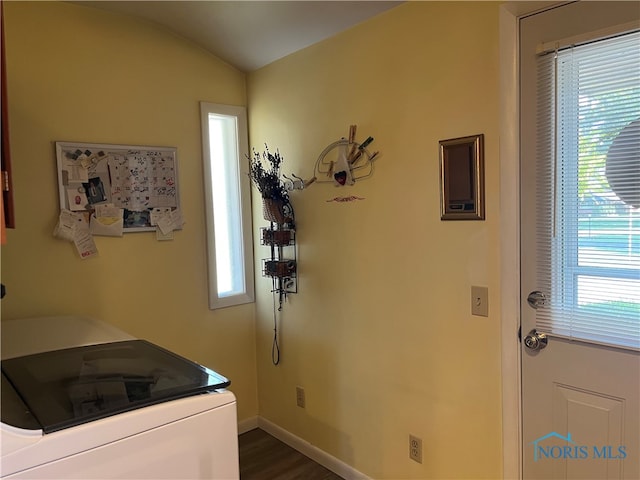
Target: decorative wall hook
<point x="345" y="161"/>
<point x="297" y="183"/>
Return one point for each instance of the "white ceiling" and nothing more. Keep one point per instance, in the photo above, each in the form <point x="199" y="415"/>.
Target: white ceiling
<point x="251" y="34"/>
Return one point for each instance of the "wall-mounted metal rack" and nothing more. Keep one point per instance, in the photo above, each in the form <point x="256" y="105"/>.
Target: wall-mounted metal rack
<point x="282" y="265"/>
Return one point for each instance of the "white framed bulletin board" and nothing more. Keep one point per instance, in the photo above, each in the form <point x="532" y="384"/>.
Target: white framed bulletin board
<point x="142" y="181"/>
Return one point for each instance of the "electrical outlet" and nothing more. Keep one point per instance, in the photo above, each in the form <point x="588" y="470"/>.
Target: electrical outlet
<point x="415" y="449"/>
<point x="300" y="400"/>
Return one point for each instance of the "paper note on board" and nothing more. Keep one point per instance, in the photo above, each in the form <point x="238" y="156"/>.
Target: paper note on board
<point x="84" y="243"/>
<point x="74" y="228"/>
<point x="66" y="226"/>
<point x="168" y="221"/>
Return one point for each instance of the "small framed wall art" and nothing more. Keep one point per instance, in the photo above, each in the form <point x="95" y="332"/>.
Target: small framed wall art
<point x="462" y="178"/>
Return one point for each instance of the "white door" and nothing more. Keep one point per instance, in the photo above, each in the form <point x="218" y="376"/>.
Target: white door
<point x="581" y="392"/>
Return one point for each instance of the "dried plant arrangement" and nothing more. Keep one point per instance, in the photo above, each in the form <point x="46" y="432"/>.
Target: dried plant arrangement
<point x="264" y="171"/>
<point x="267" y="179"/>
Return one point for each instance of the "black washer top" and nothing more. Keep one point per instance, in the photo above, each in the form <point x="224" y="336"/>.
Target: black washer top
<point x="65" y="388"/>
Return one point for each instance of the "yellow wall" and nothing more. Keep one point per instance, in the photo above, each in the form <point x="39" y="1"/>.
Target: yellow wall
<point x="380" y="334"/>
<point x="80" y="74"/>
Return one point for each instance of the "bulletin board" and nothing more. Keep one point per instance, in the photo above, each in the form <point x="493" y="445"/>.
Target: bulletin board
<point x="142" y="181"/>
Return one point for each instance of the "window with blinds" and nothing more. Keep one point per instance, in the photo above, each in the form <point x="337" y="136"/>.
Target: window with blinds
<point x="589" y="191"/>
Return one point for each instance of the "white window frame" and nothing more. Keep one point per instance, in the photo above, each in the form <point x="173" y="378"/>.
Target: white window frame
<point x="239" y="164"/>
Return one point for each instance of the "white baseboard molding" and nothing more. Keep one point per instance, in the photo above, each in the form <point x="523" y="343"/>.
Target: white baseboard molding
<point x="247" y="424"/>
<point x="314" y="453"/>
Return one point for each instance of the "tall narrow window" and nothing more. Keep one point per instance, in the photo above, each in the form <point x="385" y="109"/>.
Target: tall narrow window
<point x="228" y="208"/>
<point x="590" y="163"/>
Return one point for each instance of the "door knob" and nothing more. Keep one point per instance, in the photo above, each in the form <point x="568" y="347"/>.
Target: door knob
<point x="536" y="299"/>
<point x="535" y="340"/>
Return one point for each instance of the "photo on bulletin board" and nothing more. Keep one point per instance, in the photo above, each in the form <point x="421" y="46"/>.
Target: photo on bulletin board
<point x="140" y="180"/>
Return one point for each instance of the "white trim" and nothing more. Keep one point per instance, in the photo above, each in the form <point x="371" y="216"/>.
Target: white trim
<point x="547" y="47"/>
<point x="510" y="243"/>
<point x="510" y="14"/>
<point x="314" y="453"/>
<point x="239" y="114"/>
<point x="247" y="424"/>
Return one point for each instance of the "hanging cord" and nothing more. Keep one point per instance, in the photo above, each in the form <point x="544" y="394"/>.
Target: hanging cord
<point x="275" y="348"/>
<point x="282" y="293"/>
<point x="554" y="207"/>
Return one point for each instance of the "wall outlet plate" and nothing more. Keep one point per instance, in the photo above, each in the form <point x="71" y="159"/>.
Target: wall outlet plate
<point x="300" y="398"/>
<point x="415" y="448"/>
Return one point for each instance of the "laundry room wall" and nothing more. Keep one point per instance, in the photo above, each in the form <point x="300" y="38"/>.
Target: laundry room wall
<point x="380" y="334"/>
<point x="80" y="74"/>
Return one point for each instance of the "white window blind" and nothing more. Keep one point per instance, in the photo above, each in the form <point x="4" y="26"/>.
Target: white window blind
<point x="589" y="192"/>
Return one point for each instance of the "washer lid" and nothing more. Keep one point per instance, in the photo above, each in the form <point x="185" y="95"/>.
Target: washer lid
<point x="64" y="388"/>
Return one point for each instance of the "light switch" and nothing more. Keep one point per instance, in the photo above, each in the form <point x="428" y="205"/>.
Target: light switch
<point x="480" y="301"/>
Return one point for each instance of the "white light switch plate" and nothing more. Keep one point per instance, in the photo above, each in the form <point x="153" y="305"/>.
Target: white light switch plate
<point x="480" y="301"/>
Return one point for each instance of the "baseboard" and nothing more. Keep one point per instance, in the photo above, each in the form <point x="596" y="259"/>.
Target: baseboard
<point x="247" y="424"/>
<point x="314" y="453"/>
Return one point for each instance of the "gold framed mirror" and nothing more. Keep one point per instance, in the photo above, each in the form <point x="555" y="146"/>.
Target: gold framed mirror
<point x="462" y="178"/>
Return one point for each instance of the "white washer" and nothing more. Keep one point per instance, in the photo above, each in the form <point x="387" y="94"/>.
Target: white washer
<point x="81" y="399"/>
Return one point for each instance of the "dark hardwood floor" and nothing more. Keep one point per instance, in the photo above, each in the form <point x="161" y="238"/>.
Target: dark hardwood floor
<point x="263" y="457"/>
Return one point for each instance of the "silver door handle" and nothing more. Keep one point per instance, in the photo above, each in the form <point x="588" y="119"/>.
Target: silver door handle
<point x="536" y="299"/>
<point x="535" y="340"/>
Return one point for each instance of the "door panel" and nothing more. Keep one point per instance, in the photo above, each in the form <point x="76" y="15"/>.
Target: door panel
<point x="580" y="401"/>
<point x="589" y="416"/>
